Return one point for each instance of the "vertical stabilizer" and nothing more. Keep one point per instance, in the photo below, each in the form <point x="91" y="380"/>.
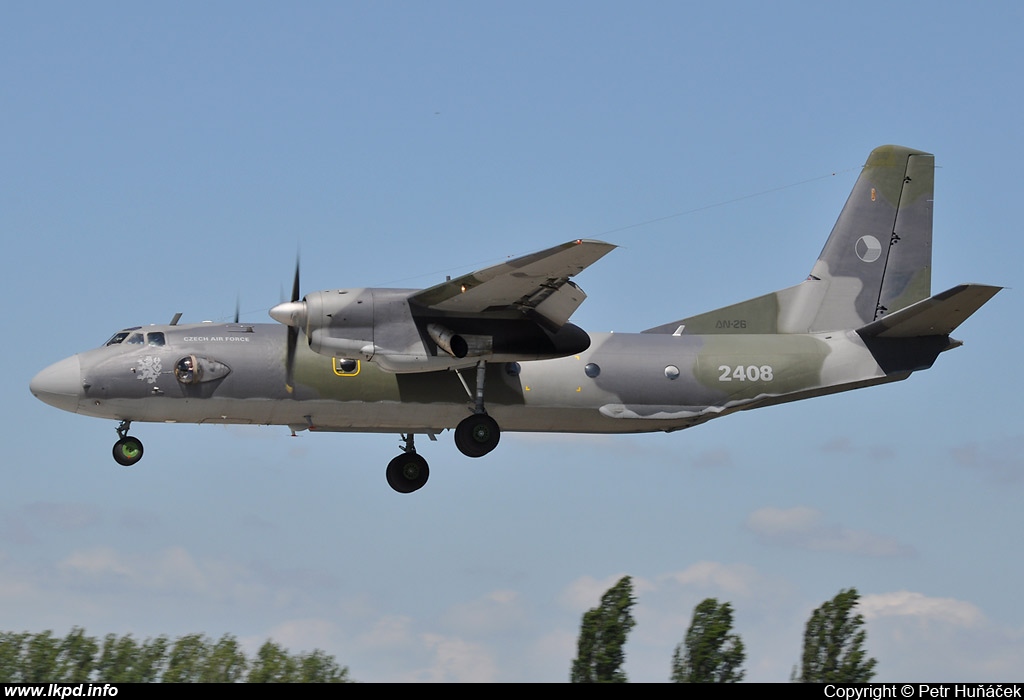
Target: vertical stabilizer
<point x="878" y="258"/>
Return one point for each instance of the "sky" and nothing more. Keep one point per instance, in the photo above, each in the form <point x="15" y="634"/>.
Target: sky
<point x="157" y="159"/>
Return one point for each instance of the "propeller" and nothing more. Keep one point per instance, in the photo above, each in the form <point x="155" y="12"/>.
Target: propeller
<point x="292" y="314"/>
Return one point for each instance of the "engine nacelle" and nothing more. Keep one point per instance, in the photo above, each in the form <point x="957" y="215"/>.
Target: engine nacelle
<point x="379" y="325"/>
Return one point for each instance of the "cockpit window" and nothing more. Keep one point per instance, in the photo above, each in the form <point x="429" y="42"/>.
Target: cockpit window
<point x="135" y="339"/>
<point x="155" y="339"/>
<point x="117" y="338"/>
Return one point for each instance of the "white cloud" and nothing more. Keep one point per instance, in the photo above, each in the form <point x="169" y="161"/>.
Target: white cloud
<point x="713" y="459"/>
<point x="733" y="579"/>
<point x="942" y="639"/>
<point x="1002" y="461"/>
<point x="457" y="661"/>
<point x="920" y="606"/>
<point x="388" y="631"/>
<point x="99" y="561"/>
<point x="302" y="635"/>
<point x="495" y="611"/>
<point x="802" y="527"/>
<point x="585" y="592"/>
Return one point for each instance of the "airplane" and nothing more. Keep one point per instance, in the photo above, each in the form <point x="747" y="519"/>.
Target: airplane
<point x="494" y="350"/>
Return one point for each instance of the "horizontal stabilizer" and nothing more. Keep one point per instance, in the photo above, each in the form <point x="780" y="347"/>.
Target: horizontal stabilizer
<point x="935" y="316"/>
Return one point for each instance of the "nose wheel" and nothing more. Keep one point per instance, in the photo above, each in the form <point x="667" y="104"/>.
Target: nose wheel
<point x="128" y="449"/>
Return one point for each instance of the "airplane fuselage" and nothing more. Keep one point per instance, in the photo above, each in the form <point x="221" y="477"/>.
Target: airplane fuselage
<point x="624" y="383"/>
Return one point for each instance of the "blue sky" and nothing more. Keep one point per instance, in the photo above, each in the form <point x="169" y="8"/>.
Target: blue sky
<point x="155" y="160"/>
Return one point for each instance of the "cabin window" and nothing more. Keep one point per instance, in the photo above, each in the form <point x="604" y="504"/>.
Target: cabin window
<point x="155" y="339"/>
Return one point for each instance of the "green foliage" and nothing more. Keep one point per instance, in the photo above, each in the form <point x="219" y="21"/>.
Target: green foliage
<point x="41" y="657"/>
<point x="12" y="645"/>
<point x="187" y="659"/>
<point x="272" y="665"/>
<point x="603" y="635"/>
<point x="193" y="658"/>
<point x="75" y="657"/>
<point x="711" y="651"/>
<point x="225" y="662"/>
<point x="318" y="667"/>
<point x="834" y="643"/>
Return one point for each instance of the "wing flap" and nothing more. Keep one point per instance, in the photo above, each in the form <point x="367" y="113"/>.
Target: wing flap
<point x="536" y="285"/>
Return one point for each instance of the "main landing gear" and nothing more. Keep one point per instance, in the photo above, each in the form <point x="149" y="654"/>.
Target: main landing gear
<point x="475" y="436"/>
<point x="478" y="434"/>
<point x="128" y="449"/>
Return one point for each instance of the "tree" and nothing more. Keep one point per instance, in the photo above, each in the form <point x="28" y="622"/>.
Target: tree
<point x="187" y="659"/>
<point x="41" y="657"/>
<point x="76" y="658"/>
<point x="225" y="662"/>
<point x="192" y="658"/>
<point x="834" y="643"/>
<point x="319" y="667"/>
<point x="272" y="665"/>
<point x="603" y="634"/>
<point x="12" y="656"/>
<point x="711" y="651"/>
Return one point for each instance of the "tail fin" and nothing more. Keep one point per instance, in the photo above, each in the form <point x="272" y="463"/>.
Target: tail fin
<point x="879" y="257"/>
<point x="876" y="261"/>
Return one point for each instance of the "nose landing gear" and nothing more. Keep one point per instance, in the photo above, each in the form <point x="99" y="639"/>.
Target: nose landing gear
<point x="128" y="449"/>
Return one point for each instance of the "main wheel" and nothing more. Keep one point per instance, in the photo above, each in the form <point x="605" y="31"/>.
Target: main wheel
<point x="407" y="472"/>
<point x="477" y="435"/>
<point x="127" y="451"/>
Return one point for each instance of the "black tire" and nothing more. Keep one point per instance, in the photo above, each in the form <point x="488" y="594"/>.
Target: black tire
<point x="477" y="435"/>
<point x="407" y="473"/>
<point x="127" y="451"/>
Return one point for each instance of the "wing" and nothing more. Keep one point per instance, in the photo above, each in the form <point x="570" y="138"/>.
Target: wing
<point x="536" y="286"/>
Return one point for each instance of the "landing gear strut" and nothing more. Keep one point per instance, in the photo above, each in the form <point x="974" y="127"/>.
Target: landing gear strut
<point x="478" y="434"/>
<point x="128" y="449"/>
<point x="408" y="471"/>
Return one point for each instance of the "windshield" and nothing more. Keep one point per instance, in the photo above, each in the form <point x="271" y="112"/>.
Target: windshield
<point x="119" y="337"/>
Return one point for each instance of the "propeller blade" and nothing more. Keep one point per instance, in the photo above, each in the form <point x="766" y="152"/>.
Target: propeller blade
<point x="293" y="338"/>
<point x="238" y="304"/>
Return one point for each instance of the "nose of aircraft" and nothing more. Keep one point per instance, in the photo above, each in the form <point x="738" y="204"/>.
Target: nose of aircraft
<point x="60" y="384"/>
